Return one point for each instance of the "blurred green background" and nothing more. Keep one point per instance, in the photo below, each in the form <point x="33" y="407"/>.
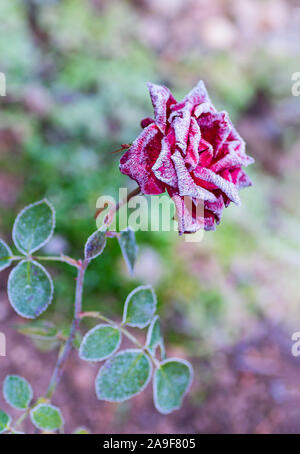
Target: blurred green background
<point x="76" y="73"/>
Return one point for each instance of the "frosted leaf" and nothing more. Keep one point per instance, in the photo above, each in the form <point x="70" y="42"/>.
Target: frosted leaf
<point x="128" y="247"/>
<point x="123" y="376"/>
<point x="30" y="289"/>
<point x="17" y="392"/>
<point x="34" y="227"/>
<point x="95" y="244"/>
<point x="140" y="306"/>
<point x="154" y="337"/>
<point x="46" y="417"/>
<point x="100" y="343"/>
<point x="5" y="253"/>
<point x="5" y="421"/>
<point x="172" y="380"/>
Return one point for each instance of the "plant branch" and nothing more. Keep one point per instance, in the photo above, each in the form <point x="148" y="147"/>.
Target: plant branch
<point x="110" y="215"/>
<point x="75" y="324"/>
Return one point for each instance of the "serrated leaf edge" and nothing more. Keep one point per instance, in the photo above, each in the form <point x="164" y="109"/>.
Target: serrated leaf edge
<point x="162" y="363"/>
<point x="137" y="289"/>
<point x="50" y="234"/>
<point x="10" y="254"/>
<point x="101" y="325"/>
<point x="45" y="405"/>
<point x="129" y="350"/>
<point x="51" y="289"/>
<point x="6" y="398"/>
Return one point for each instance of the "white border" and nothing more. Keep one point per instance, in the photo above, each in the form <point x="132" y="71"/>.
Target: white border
<point x="9" y="253"/>
<point x="133" y="292"/>
<point x="45" y="405"/>
<point x="101" y="325"/>
<point x="27" y="383"/>
<point x="87" y="241"/>
<point x="129" y="350"/>
<point x="51" y="288"/>
<point x="130" y="268"/>
<point x="40" y="202"/>
<point x="169" y="360"/>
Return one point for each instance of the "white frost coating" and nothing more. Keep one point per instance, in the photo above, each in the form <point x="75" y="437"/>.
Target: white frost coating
<point x="191" y="370"/>
<point x="136" y="290"/>
<point x="226" y="186"/>
<point x="51" y="288"/>
<point x="28" y="385"/>
<point x="83" y="342"/>
<point x="186" y="184"/>
<point x="9" y="254"/>
<point x="19" y="216"/>
<point x="41" y="406"/>
<point x="130" y="350"/>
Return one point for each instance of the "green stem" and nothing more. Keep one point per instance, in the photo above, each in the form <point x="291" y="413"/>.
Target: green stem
<point x="75" y="324"/>
<point x="123" y="330"/>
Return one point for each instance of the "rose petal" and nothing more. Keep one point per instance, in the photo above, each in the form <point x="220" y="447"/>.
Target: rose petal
<point x="187" y="223"/>
<point x="215" y="128"/>
<point x="192" y="153"/>
<point x="137" y="162"/>
<point x="226" y="186"/>
<point x="164" y="168"/>
<point x="162" y="99"/>
<point x="186" y="184"/>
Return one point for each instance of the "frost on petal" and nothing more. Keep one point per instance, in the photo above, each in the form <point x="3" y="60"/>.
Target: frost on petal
<point x="216" y="207"/>
<point x="198" y="95"/>
<point x="181" y="120"/>
<point x="205" y="153"/>
<point x="164" y="169"/>
<point x="226" y="186"/>
<point x="192" y="153"/>
<point x="240" y="179"/>
<point x="186" y="210"/>
<point x="138" y="161"/>
<point x="186" y="184"/>
<point x="209" y="221"/>
<point x="215" y="128"/>
<point x="162" y="99"/>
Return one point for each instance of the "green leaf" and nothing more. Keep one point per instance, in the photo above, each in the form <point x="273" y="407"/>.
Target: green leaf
<point x="5" y="252"/>
<point x="154" y="337"/>
<point x="81" y="431"/>
<point x="123" y="376"/>
<point x="17" y="392"/>
<point x="171" y="382"/>
<point x="99" y="343"/>
<point x="46" y="417"/>
<point x="39" y="329"/>
<point x="95" y="244"/>
<point x="30" y="289"/>
<point x="5" y="421"/>
<point x="140" y="306"/>
<point x="128" y="247"/>
<point x="34" y="227"/>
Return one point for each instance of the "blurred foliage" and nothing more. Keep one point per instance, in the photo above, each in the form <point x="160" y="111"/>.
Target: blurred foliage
<point x="76" y="88"/>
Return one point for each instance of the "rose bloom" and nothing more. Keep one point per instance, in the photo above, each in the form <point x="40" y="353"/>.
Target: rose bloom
<point x="193" y="152"/>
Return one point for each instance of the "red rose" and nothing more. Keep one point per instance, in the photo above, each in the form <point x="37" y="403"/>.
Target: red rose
<point x="191" y="151"/>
